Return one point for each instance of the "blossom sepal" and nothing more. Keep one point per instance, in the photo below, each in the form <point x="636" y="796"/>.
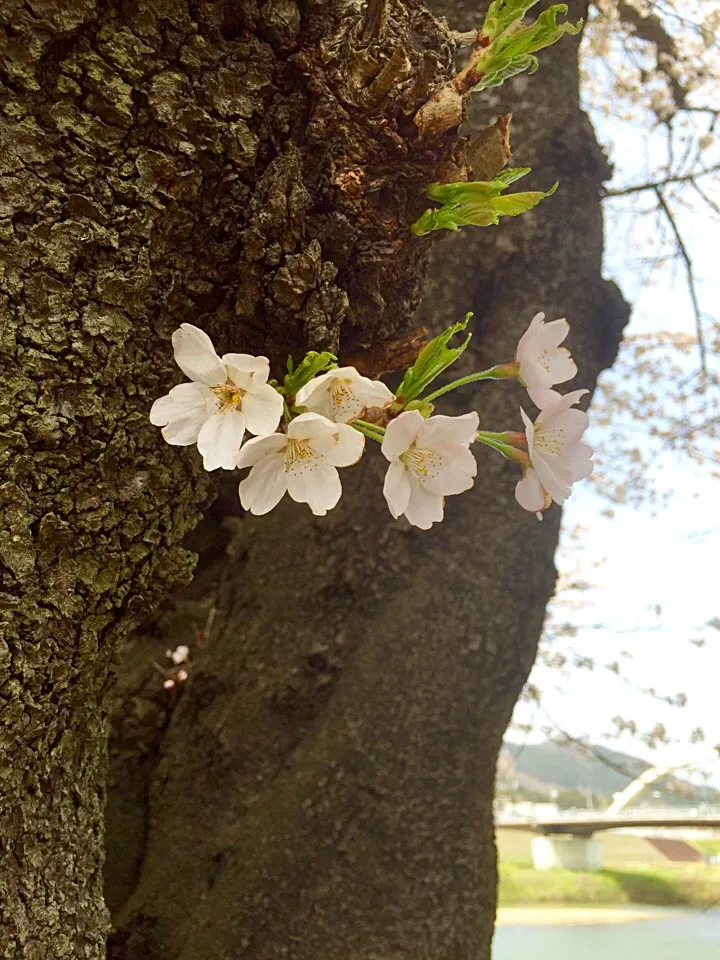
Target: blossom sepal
<point x="511" y="444"/>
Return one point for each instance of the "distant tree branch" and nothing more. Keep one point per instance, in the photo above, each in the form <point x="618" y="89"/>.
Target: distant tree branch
<point x="655" y="185"/>
<point x="708" y="200"/>
<point x="682" y="249"/>
<point x="650" y="29"/>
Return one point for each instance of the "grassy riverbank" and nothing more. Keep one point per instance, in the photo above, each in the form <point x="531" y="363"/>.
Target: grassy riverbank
<point x="691" y="885"/>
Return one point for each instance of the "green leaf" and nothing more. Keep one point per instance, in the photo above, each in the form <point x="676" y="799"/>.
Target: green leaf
<point x="463" y="191"/>
<point x="432" y="360"/>
<point x="516" y="203"/>
<point x="501" y="13"/>
<point x="536" y="36"/>
<point x="494" y="76"/>
<point x="513" y="46"/>
<point x="478" y="203"/>
<point x="511" y="175"/>
<point x="313" y="364"/>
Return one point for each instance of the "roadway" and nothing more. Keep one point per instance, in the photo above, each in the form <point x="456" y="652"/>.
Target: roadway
<point x="586" y="827"/>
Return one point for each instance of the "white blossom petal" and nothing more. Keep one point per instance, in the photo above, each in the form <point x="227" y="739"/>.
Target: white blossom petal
<point x="529" y="431"/>
<point x="552" y="334"/>
<point x="529" y="492"/>
<point x="342" y="394"/>
<point x="542" y="361"/>
<point x="183" y="400"/>
<point x="423" y="508"/>
<point x="581" y="465"/>
<point x="556" y="481"/>
<point x="254" y="450"/>
<point x="316" y="484"/>
<point x="397" y="488"/>
<point x="220" y="439"/>
<point x="310" y="425"/>
<point x="245" y="370"/>
<point x="543" y="397"/>
<point x="401" y="433"/>
<point x="375" y="393"/>
<point x="566" y="401"/>
<point x="185" y="430"/>
<point x="265" y="485"/>
<point x="441" y="429"/>
<point x="558" y="457"/>
<point x="314" y="386"/>
<point x="347" y="447"/>
<point x="560" y="366"/>
<point x="566" y="428"/>
<point x="457" y="474"/>
<point x="196" y="357"/>
<point x="263" y="408"/>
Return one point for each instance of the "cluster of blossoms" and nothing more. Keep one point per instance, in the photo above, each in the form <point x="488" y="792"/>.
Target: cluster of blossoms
<point x="318" y="420"/>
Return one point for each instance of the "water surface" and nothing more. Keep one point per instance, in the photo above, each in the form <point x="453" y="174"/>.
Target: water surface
<point x="614" y="935"/>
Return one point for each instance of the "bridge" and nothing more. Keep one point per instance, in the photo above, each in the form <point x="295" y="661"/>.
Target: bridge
<point x="587" y="826"/>
<point x="569" y="844"/>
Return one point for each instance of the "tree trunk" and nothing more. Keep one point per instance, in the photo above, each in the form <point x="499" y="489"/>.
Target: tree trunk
<point x="322" y="786"/>
<point x="234" y="165"/>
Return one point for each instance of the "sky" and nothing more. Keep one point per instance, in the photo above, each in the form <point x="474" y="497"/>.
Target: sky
<point x="654" y="570"/>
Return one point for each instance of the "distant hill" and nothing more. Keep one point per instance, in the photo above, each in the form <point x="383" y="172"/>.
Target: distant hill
<point x="544" y="767"/>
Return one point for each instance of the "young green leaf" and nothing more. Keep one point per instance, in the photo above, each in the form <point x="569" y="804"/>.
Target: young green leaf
<point x="313" y="364"/>
<point x="478" y="203"/>
<point x="505" y="69"/>
<point x="467" y="191"/>
<point x="516" y="203"/>
<point x="502" y="13"/>
<point x="432" y="360"/>
<point x="514" y="42"/>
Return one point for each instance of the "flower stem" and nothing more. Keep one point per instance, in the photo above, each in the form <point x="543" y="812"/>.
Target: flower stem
<point x="507" y="451"/>
<point x="500" y="372"/>
<point x="371" y="430"/>
<point x="514" y="438"/>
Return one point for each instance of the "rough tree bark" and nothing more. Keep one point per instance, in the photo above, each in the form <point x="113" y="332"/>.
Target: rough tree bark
<point x="322" y="786"/>
<point x="237" y="165"/>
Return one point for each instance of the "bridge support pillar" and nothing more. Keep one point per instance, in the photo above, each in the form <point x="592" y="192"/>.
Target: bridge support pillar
<point x="563" y="851"/>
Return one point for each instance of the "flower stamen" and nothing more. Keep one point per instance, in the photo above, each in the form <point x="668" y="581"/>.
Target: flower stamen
<point x="297" y="451"/>
<point x="229" y="395"/>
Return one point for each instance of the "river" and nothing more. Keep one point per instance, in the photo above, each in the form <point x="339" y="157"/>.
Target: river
<point x="623" y="933"/>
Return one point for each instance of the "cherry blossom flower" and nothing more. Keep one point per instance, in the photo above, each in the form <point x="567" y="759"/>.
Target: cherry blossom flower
<point x="303" y="462"/>
<point x="558" y="457"/>
<point x="227" y="396"/>
<point x="429" y="460"/>
<point x="342" y="394"/>
<point x="542" y="362"/>
<point x="179" y="654"/>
